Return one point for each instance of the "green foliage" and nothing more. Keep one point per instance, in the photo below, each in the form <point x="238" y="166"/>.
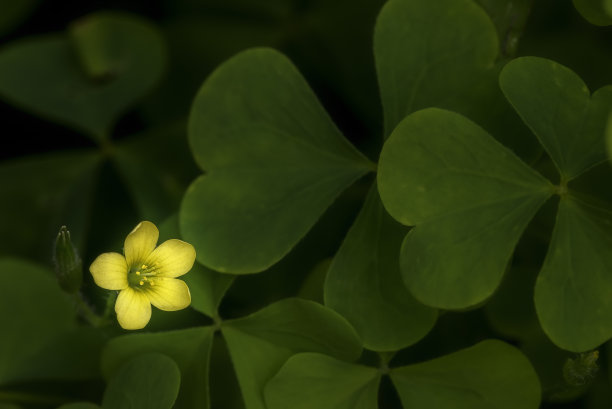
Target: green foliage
<point x="148" y="381"/>
<point x="40" y="322"/>
<point x="598" y="12"/>
<point x="486" y="223"/>
<point x="364" y="284"/>
<point x="260" y="343"/>
<point x="122" y="54"/>
<point x="471" y="208"/>
<point x="568" y="121"/>
<point x="190" y="350"/>
<point x="274" y="162"/>
<point x="470" y="378"/>
<point x="310" y="380"/>
<point x="434" y="67"/>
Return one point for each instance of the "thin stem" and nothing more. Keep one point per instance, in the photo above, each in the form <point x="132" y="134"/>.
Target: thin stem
<point x="90" y="316"/>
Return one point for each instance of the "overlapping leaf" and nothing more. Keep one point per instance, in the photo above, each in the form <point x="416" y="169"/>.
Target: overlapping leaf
<point x="470" y="199"/>
<point x="148" y="381"/>
<point x="598" y="12"/>
<point x="572" y="291"/>
<point x="88" y="77"/>
<point x="312" y="380"/>
<point x="431" y="54"/>
<point x="486" y="375"/>
<point x="189" y="348"/>
<point x="574" y="288"/>
<point x="490" y="374"/>
<point x="274" y="161"/>
<point x="568" y="121"/>
<point x="364" y="283"/>
<point x="260" y="343"/>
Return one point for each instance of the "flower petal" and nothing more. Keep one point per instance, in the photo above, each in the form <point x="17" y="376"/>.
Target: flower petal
<point x="109" y="270"/>
<point x="140" y="243"/>
<point x="172" y="258"/>
<point x="133" y="309"/>
<point x="169" y="294"/>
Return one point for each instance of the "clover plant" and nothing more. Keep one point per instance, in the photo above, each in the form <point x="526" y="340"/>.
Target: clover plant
<point x="382" y="204"/>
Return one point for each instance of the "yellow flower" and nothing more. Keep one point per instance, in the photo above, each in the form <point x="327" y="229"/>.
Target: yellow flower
<point x="146" y="275"/>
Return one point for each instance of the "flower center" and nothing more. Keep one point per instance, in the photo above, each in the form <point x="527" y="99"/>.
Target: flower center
<point x="142" y="276"/>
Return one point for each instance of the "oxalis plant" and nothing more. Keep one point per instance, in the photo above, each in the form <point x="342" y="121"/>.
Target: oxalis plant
<point x="459" y="256"/>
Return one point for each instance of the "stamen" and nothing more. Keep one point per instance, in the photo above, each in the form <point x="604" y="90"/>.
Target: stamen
<point x="152" y="283"/>
<point x="144" y="267"/>
<point x="138" y="273"/>
<point x="146" y="279"/>
<point x="141" y="282"/>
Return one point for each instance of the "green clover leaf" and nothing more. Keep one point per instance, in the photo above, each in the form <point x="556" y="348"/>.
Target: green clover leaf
<point x="274" y="161"/>
<point x="364" y="283"/>
<point x="472" y="378"/>
<point x="470" y="199"/>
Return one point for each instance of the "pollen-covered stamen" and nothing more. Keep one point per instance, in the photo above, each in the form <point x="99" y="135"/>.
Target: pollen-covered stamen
<point x="141" y="274"/>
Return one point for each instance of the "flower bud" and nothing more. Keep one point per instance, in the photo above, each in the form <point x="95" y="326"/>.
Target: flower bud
<point x="68" y="264"/>
<point x="581" y="370"/>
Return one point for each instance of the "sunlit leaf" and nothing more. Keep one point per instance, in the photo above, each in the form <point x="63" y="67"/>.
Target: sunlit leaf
<point x="274" y="161"/>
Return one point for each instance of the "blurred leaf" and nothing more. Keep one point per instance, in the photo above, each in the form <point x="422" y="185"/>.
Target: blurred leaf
<point x="34" y="313"/>
<point x="567" y="120"/>
<point x="268" y="10"/>
<point x="148" y="381"/>
<point x="509" y="16"/>
<point x="364" y="283"/>
<point x="207" y="287"/>
<point x="274" y="162"/>
<point x="260" y="343"/>
<point x="40" y="194"/>
<point x="311" y="380"/>
<point x="88" y="77"/>
<point x="572" y="293"/>
<point x="431" y="54"/>
<point x="73" y="355"/>
<point x="157" y="168"/>
<point x="189" y="348"/>
<point x="77" y="405"/>
<point x="609" y="136"/>
<point x="195" y="51"/>
<point x="13" y="13"/>
<point x="489" y="374"/>
<point x="312" y="286"/>
<point x="470" y="197"/>
<point x="598" y="12"/>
